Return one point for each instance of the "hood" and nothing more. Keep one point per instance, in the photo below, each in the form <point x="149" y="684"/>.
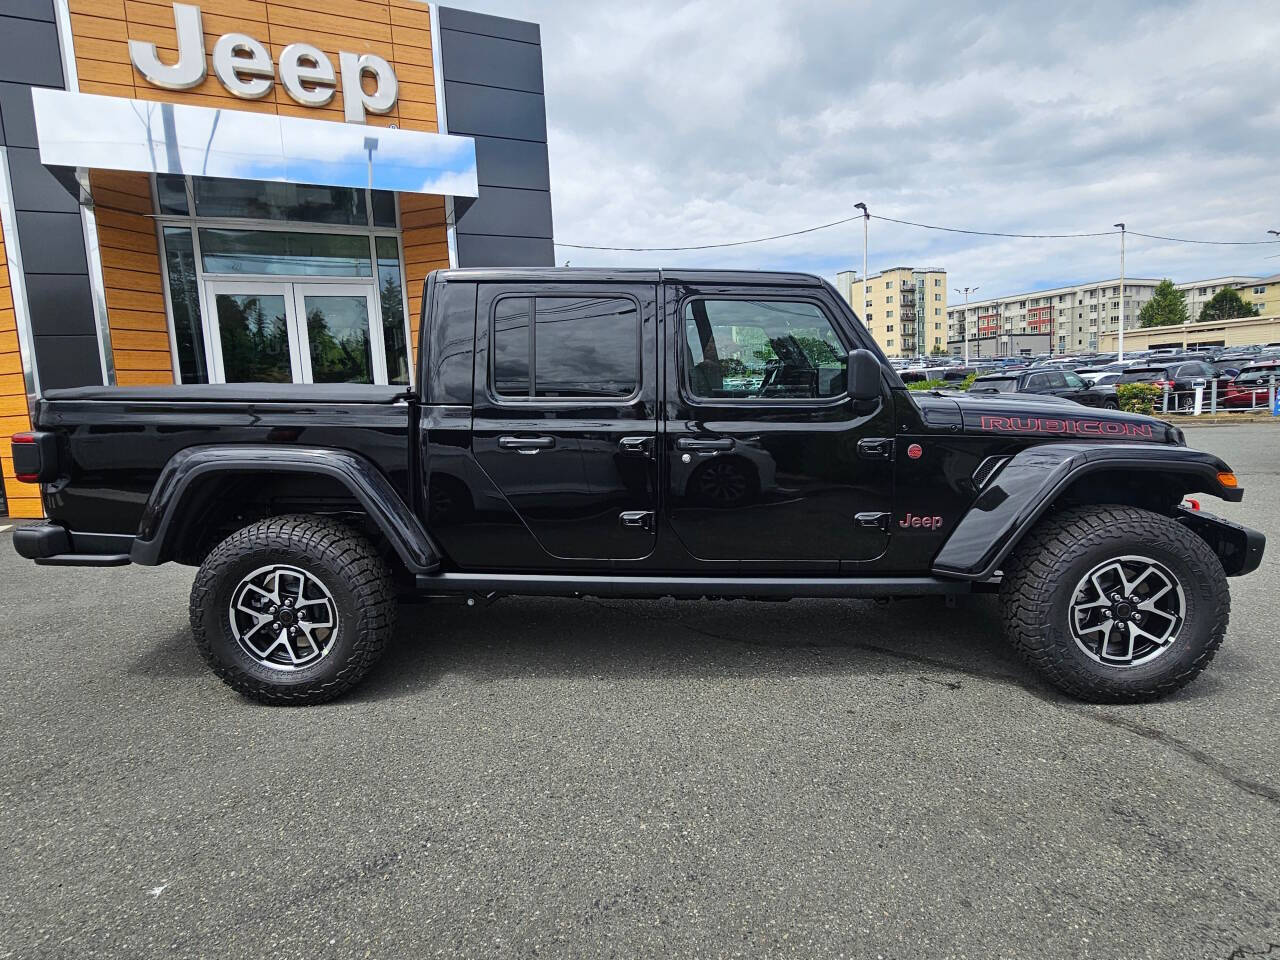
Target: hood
<point x="1039" y="416"/>
<point x="1035" y="415"/>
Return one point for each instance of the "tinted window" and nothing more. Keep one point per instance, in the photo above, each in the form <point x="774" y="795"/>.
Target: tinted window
<point x="580" y="347"/>
<point x="761" y="349"/>
<point x="259" y="200"/>
<point x="1073" y="381"/>
<point x="1143" y="376"/>
<point x="998" y="384"/>
<point x="1038" y="381"/>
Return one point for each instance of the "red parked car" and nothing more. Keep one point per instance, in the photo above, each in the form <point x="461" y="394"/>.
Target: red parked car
<point x="1251" y="388"/>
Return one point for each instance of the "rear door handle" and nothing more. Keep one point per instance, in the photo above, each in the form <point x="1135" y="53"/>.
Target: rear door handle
<point x="526" y="444"/>
<point x="691" y="443"/>
<point x="642" y="445"/>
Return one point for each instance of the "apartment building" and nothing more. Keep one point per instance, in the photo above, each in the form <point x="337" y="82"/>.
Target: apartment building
<point x="1059" y="320"/>
<point x="905" y="308"/>
<point x="1199" y="292"/>
<point x="1263" y="293"/>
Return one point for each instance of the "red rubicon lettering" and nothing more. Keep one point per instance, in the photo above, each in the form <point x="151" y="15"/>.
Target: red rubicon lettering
<point x="1084" y="428"/>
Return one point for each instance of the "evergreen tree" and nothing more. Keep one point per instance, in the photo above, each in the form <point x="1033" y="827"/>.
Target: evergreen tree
<point x="1167" y="306"/>
<point x="1227" y="304"/>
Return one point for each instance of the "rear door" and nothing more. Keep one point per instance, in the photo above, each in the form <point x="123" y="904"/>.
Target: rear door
<point x="565" y="413"/>
<point x="769" y="462"/>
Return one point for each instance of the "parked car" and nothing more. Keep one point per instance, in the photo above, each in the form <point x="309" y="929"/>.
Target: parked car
<point x="1251" y="388"/>
<point x="681" y="433"/>
<point x="1064" y="384"/>
<point x="1180" y="377"/>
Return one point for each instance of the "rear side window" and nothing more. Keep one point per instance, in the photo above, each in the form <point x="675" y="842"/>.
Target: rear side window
<point x="565" y="347"/>
<point x="761" y="350"/>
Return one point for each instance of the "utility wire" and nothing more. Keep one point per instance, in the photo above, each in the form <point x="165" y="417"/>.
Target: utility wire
<point x="922" y="226"/>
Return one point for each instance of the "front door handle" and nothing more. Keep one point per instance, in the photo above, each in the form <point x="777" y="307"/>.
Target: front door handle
<point x="692" y="443"/>
<point x="526" y="444"/>
<point x="642" y="445"/>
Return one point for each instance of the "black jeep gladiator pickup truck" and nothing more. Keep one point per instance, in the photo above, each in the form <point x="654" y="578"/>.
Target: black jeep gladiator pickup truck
<point x="638" y="433"/>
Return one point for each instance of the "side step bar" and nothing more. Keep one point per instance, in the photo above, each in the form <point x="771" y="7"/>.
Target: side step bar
<point x="555" y="585"/>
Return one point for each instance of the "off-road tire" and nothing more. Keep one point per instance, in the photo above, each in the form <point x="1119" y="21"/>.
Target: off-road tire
<point x="352" y="571"/>
<point x="1041" y="575"/>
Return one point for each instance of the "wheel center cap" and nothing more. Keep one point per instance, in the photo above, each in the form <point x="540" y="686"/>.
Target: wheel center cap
<point x="286" y="617"/>
<point x="1122" y="610"/>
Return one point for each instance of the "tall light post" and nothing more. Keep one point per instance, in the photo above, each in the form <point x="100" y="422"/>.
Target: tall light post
<point x="964" y="319"/>
<point x="1120" y="339"/>
<point x="866" y="218"/>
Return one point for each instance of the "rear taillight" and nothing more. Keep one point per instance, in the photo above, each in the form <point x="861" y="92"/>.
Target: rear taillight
<point x="1163" y="384"/>
<point x="35" y="456"/>
<point x="24" y="439"/>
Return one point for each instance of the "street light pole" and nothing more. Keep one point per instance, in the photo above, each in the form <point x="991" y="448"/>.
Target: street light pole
<point x="964" y="319"/>
<point x="1120" y="340"/>
<point x="866" y="219"/>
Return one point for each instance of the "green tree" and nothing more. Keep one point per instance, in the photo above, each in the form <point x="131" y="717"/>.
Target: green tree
<point x="1227" y="304"/>
<point x="938" y="350"/>
<point x="1167" y="306"/>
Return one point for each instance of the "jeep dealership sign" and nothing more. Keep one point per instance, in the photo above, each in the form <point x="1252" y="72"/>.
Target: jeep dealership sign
<point x="244" y="67"/>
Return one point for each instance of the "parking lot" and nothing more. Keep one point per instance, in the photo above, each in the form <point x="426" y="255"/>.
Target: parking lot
<point x="635" y="779"/>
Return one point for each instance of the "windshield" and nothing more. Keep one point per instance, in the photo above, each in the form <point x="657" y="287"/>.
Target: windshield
<point x="995" y="384"/>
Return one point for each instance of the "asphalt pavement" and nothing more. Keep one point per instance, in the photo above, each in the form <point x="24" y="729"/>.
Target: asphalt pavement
<point x="554" y="778"/>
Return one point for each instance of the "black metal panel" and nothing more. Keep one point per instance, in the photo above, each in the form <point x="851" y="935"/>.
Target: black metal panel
<point x="502" y="211"/>
<point x="493" y="112"/>
<point x="40" y="188"/>
<point x="490" y="61"/>
<point x="59" y="305"/>
<point x="17" y="119"/>
<point x="51" y="242"/>
<point x="68" y="361"/>
<point x="512" y="163"/>
<point x="29" y="52"/>
<point x="467" y="20"/>
<point x="29" y="9"/>
<point x="504" y="251"/>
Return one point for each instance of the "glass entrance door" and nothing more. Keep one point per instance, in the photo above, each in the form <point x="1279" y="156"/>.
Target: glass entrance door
<point x="282" y="332"/>
<point x="343" y="338"/>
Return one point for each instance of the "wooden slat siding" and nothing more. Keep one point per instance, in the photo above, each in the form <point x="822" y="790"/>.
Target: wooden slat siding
<point x="23" y="499"/>
<point x="132" y="276"/>
<point x="397" y="30"/>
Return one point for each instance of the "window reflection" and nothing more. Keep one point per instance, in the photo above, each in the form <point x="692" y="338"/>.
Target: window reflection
<point x="281" y="253"/>
<point x="391" y="294"/>
<point x="338" y="331"/>
<point x="184" y="299"/>
<point x="266" y="200"/>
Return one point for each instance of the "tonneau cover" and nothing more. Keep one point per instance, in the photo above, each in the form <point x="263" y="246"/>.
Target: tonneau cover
<point x="239" y="393"/>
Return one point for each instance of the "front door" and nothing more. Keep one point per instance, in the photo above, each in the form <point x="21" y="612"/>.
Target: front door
<point x="770" y="461"/>
<point x="565" y="414"/>
<point x="283" y="332"/>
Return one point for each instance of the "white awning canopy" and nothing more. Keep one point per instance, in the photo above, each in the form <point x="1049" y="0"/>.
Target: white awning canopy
<point x="115" y="133"/>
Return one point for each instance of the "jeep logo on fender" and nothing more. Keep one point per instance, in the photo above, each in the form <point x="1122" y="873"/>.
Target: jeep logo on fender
<point x="911" y="521"/>
<point x="244" y="67"/>
<point x="1055" y="425"/>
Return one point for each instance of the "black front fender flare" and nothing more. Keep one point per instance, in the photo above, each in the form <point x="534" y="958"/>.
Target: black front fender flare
<point x="1020" y="493"/>
<point x="384" y="506"/>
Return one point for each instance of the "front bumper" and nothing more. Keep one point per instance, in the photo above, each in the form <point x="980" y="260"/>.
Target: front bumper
<point x="1239" y="548"/>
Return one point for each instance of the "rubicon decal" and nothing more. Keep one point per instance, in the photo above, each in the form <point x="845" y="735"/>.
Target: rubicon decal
<point x="911" y="521"/>
<point x="1065" y="427"/>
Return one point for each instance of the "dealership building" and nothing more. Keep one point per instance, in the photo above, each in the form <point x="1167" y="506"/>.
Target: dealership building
<point x="251" y="190"/>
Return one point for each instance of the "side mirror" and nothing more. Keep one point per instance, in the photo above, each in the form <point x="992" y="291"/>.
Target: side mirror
<point x="863" y="375"/>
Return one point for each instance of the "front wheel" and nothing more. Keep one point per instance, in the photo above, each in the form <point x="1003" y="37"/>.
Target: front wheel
<point x="292" y="610"/>
<point x="1115" y="604"/>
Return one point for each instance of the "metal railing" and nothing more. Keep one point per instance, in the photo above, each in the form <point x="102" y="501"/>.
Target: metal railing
<point x="1212" y="398"/>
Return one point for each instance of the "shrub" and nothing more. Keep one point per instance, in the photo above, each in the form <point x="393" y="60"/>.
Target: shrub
<point x="931" y="385"/>
<point x="967" y="382"/>
<point x="1138" y="397"/>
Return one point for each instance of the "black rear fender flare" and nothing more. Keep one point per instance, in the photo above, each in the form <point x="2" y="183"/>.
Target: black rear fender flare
<point x="1010" y="504"/>
<point x="370" y="488"/>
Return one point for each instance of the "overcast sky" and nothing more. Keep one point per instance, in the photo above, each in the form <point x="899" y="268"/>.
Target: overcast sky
<point x="684" y="123"/>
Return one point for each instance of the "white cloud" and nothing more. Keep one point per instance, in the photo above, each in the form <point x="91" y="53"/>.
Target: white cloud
<point x="674" y="124"/>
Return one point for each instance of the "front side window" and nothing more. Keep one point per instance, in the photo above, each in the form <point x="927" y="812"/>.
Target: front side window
<point x="761" y="350"/>
<point x="565" y="347"/>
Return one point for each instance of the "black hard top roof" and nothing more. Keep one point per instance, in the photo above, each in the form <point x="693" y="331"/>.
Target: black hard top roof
<point x="630" y="275"/>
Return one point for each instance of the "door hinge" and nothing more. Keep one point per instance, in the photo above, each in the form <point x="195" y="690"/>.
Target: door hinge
<point x="637" y="519"/>
<point x="640" y="445"/>
<point x="875" y="448"/>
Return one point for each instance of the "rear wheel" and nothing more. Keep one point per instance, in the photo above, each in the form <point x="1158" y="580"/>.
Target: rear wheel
<point x="293" y="609"/>
<point x="1115" y="604"/>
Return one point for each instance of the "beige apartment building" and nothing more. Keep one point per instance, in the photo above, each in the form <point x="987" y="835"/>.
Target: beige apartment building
<point x="1199" y="292"/>
<point x="1263" y="293"/>
<point x="905" y="308"/>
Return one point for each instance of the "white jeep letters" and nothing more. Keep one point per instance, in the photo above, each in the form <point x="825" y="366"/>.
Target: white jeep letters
<point x="243" y="65"/>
